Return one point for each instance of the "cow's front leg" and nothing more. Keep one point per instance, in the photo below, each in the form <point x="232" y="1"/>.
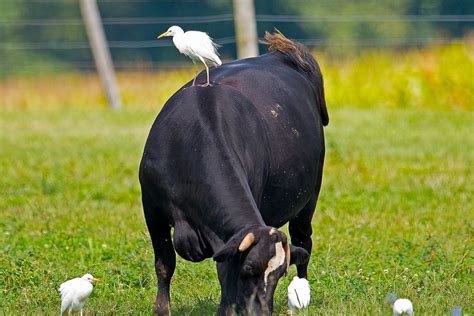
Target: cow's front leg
<point x="165" y="261"/>
<point x="225" y="310"/>
<point x="300" y="231"/>
<point x="228" y="294"/>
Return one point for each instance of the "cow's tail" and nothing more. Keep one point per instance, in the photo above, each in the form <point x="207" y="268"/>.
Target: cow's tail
<point x="301" y="56"/>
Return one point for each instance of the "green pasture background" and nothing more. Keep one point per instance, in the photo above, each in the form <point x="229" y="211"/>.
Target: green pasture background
<point x="395" y="213"/>
<point x="48" y="36"/>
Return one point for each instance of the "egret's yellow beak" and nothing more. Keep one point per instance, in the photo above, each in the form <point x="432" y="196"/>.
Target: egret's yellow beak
<point x="163" y="35"/>
<point x="95" y="280"/>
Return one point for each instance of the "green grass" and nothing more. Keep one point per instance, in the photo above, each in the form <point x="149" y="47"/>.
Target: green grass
<point x="437" y="77"/>
<point x="395" y="214"/>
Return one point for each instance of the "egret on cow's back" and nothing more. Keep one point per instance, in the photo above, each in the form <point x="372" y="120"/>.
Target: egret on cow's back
<point x="196" y="45"/>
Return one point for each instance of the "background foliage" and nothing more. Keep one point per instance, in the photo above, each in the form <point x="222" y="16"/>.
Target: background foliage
<point x="57" y="28"/>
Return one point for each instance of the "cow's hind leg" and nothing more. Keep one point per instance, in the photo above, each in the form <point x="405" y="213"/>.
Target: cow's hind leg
<point x="300" y="231"/>
<point x="165" y="257"/>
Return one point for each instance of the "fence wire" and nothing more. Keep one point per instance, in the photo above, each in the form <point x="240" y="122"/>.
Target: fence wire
<point x="10" y="46"/>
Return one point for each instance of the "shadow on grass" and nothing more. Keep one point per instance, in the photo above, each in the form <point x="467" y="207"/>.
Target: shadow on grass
<point x="203" y="306"/>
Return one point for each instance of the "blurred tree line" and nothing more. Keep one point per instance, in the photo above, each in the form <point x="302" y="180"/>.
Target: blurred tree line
<point x="49" y="33"/>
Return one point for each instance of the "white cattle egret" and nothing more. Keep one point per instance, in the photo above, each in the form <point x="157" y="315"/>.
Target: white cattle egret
<point x="196" y="45"/>
<point x="402" y="306"/>
<point x="74" y="293"/>
<point x="299" y="294"/>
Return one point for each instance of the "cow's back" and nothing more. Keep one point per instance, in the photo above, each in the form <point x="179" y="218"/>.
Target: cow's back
<point x="251" y="142"/>
<point x="286" y="101"/>
<point x="205" y="150"/>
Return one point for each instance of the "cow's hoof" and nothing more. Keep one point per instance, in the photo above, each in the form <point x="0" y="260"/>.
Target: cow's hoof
<point x="162" y="311"/>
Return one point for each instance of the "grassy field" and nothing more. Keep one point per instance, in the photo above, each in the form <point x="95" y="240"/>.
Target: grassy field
<point x="433" y="78"/>
<point x="395" y="212"/>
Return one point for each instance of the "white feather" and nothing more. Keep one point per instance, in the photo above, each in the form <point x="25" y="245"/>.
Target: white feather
<point x="74" y="293"/>
<point x="196" y="45"/>
<point x="299" y="293"/>
<point x="402" y="306"/>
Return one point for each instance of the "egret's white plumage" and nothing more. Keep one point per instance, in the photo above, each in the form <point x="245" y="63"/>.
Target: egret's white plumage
<point x="299" y="294"/>
<point x="402" y="306"/>
<point x="74" y="293"/>
<point x="196" y="45"/>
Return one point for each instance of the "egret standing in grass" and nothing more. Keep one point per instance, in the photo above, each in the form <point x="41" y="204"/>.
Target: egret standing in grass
<point x="400" y="306"/>
<point x="196" y="45"/>
<point x="299" y="294"/>
<point x="74" y="293"/>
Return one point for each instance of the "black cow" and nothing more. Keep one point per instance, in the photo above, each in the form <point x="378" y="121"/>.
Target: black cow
<point x="226" y="165"/>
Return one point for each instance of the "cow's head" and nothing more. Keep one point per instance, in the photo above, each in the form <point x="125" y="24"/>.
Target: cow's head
<point x="251" y="264"/>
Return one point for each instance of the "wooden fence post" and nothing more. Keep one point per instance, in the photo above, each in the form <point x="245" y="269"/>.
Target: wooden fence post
<point x="245" y="28"/>
<point x="103" y="61"/>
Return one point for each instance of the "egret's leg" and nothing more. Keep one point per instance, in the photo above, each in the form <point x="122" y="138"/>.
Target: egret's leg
<point x="207" y="72"/>
<point x="197" y="74"/>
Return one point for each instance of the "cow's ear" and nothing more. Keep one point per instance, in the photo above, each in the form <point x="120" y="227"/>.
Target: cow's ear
<point x="298" y="255"/>
<point x="239" y="242"/>
<point x="226" y="252"/>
